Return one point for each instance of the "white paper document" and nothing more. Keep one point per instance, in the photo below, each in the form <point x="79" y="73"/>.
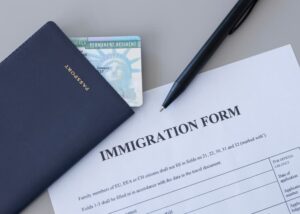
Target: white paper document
<point x="229" y="144"/>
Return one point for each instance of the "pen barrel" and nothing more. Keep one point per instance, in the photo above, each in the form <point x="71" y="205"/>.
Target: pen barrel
<point x="174" y="92"/>
<point x="219" y="35"/>
<point x="231" y="22"/>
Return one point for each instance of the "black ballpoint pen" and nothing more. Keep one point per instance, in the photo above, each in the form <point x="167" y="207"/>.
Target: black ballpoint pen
<point x="233" y="20"/>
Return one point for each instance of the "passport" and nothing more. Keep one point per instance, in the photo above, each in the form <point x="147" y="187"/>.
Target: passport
<point x="55" y="107"/>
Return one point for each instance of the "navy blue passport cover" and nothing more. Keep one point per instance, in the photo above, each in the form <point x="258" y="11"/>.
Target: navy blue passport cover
<point x="54" y="108"/>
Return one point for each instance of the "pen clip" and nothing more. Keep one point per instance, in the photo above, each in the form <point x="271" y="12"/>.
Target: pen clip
<point x="243" y="18"/>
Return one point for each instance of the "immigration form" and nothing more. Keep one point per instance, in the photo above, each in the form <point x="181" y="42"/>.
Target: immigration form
<point x="231" y="145"/>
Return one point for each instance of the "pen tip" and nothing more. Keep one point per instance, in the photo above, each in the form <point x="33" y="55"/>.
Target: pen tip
<point x="162" y="108"/>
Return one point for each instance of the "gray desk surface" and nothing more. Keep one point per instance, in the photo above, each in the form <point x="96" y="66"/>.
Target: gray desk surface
<point x="172" y="32"/>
